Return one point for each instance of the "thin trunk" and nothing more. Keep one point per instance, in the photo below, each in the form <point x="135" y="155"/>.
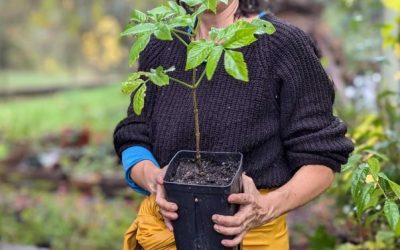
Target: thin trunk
<point x="196" y="124"/>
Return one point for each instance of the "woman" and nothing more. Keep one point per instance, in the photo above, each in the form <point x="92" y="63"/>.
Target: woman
<point x="281" y="121"/>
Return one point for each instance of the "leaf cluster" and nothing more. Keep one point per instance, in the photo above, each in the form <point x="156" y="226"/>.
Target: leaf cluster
<point x="172" y="21"/>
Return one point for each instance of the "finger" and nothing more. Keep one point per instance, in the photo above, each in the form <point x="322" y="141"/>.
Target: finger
<point x="165" y="205"/>
<point x="235" y="241"/>
<point x="248" y="183"/>
<point x="160" y="177"/>
<point x="169" y="215"/>
<point x="162" y="202"/>
<point x="230" y="221"/>
<point x="229" y="230"/>
<point x="168" y="224"/>
<point x="241" y="199"/>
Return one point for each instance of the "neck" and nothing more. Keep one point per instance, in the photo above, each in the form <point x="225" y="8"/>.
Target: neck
<point x="222" y="19"/>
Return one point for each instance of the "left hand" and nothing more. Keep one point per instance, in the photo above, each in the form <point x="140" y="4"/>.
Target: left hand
<point x="251" y="214"/>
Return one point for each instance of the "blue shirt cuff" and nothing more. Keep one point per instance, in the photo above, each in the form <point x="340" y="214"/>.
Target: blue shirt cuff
<point x="130" y="157"/>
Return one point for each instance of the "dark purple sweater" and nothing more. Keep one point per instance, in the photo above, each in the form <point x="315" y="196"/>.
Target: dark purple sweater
<point x="281" y="120"/>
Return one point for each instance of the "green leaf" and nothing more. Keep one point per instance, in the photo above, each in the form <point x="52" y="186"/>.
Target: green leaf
<point x="198" y="51"/>
<point x="216" y="33"/>
<point x="377" y="154"/>
<point x="393" y="185"/>
<point x="177" y="8"/>
<point x="159" y="77"/>
<point x="353" y="160"/>
<point x="392" y="214"/>
<point x="163" y="32"/>
<point x="263" y="27"/>
<point x="192" y="3"/>
<point x="139" y="45"/>
<point x="138" y="99"/>
<point x="363" y="199"/>
<point x="212" y="61"/>
<point x="235" y="65"/>
<point x="395" y="188"/>
<point x="385" y="236"/>
<point x="181" y="21"/>
<point x="230" y="31"/>
<point x="211" y="5"/>
<point x="358" y="180"/>
<point x="162" y="11"/>
<point x="240" y="39"/>
<point x="140" y="28"/>
<point x="238" y="34"/>
<point x="130" y="87"/>
<point x="138" y="16"/>
<point x="199" y="10"/>
<point x="374" y="167"/>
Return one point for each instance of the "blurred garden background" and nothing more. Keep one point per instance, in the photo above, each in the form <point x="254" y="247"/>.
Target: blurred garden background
<point x="61" y="64"/>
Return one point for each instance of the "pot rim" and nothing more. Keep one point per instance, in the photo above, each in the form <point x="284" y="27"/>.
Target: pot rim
<point x="202" y="185"/>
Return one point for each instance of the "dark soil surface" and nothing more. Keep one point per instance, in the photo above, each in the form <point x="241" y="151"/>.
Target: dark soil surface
<point x="213" y="173"/>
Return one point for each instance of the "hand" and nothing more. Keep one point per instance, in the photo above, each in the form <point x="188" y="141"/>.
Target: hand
<point x="251" y="214"/>
<point x="167" y="209"/>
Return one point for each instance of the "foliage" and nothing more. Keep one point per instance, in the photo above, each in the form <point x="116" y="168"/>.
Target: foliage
<point x="32" y="118"/>
<point x="64" y="221"/>
<point x="166" y="22"/>
<point x="367" y="192"/>
<point x="321" y="240"/>
<point x="361" y="44"/>
<point x="66" y="35"/>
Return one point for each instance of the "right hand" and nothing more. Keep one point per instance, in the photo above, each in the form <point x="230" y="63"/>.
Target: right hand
<point x="167" y="209"/>
<point x="151" y="178"/>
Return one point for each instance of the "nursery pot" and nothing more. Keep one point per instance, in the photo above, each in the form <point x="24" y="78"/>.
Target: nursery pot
<point x="193" y="230"/>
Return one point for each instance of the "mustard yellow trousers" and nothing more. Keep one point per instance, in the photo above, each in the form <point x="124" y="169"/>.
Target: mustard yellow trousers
<point x="149" y="232"/>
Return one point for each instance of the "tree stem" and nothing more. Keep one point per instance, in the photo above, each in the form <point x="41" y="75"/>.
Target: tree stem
<point x="181" y="32"/>
<point x="196" y="123"/>
<point x="181" y="82"/>
<point x="179" y="38"/>
<point x="200" y="79"/>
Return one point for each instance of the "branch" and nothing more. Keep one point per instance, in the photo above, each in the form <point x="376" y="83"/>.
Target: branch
<point x="181" y="32"/>
<point x="181" y="82"/>
<point x="180" y="38"/>
<point x="200" y="79"/>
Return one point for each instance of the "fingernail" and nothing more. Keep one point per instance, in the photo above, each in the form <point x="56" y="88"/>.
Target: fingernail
<point x="214" y="217"/>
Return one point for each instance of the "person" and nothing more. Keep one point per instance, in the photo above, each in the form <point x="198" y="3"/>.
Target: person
<point x="281" y="121"/>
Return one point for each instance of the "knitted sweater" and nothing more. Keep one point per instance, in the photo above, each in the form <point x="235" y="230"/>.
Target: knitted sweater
<point x="281" y="120"/>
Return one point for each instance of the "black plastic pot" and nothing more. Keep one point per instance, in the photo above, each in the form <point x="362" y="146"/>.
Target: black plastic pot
<point x="193" y="230"/>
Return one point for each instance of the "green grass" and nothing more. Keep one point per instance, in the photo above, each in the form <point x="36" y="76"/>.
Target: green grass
<point x="18" y="79"/>
<point x="24" y="79"/>
<point x="98" y="109"/>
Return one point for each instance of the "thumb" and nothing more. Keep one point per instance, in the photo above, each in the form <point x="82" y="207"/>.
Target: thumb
<point x="160" y="177"/>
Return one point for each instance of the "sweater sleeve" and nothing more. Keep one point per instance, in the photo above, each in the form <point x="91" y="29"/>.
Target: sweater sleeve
<point x="134" y="130"/>
<point x="311" y="134"/>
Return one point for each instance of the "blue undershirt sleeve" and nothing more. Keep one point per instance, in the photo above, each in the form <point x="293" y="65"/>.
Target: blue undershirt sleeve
<point x="130" y="157"/>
